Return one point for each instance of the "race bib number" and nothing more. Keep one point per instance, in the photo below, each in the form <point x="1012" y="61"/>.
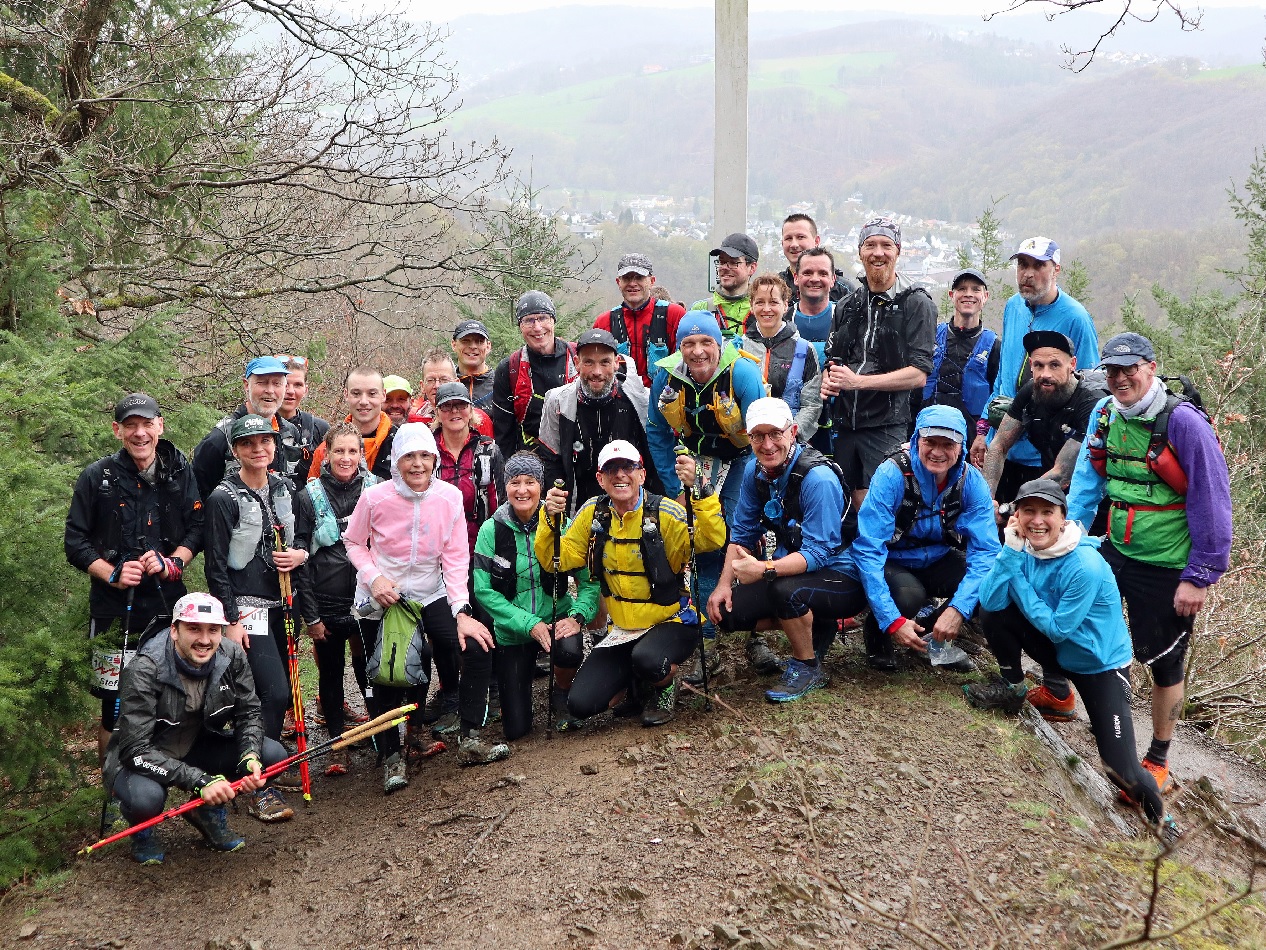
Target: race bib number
<point x="617" y="635"/>
<point x="108" y="666"/>
<point x="254" y="621"/>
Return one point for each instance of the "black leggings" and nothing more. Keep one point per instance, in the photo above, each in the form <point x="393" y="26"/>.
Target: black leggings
<point x="609" y="670"/>
<point x="469" y="670"/>
<point x="1106" y="697"/>
<point x="827" y="593"/>
<point x="516" y="668"/>
<point x="268" y="667"/>
<point x="142" y="798"/>
<point x="1161" y="637"/>
<point x="330" y="657"/>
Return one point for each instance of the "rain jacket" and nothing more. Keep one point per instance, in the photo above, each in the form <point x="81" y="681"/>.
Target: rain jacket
<point x="774" y="359"/>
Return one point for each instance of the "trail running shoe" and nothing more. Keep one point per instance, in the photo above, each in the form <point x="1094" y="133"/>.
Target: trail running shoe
<point x="146" y="848"/>
<point x="1052" y="709"/>
<point x="997" y="694"/>
<point x="338" y="764"/>
<point x="288" y="725"/>
<point x="393" y="774"/>
<point x="564" y="721"/>
<point x="441" y="703"/>
<point x="694" y="672"/>
<point x="800" y="679"/>
<point x="268" y="806"/>
<point x="472" y="750"/>
<point x="112" y="819"/>
<point x="1159" y="772"/>
<point x="762" y="659"/>
<point x="661" y="704"/>
<point x="212" y="823"/>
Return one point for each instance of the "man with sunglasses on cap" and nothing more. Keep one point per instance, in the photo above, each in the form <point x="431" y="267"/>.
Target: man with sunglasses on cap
<point x="135" y="522"/>
<point x="524" y="377"/>
<point x="1038" y="304"/>
<point x="637" y="544"/>
<point x="471" y="346"/>
<point x="311" y="429"/>
<point x="1156" y="457"/>
<point x="731" y="302"/>
<point x="264" y="386"/>
<point x="786" y="560"/>
<point x="643" y="326"/>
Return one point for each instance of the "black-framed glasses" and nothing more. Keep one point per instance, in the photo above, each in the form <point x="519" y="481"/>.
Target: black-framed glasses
<point x="619" y="468"/>
<point x="1130" y="371"/>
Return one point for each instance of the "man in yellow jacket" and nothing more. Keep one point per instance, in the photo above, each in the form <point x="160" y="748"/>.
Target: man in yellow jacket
<point x="638" y="544"/>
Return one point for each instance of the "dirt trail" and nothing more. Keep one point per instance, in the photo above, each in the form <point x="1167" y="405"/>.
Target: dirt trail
<point x="757" y="826"/>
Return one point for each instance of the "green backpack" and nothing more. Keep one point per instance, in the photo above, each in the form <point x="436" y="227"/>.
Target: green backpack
<point x="402" y="656"/>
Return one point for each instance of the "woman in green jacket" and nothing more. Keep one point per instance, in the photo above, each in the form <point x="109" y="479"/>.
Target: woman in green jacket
<point x="519" y="594"/>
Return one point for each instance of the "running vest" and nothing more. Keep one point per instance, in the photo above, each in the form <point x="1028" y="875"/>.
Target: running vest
<point x="666" y="585"/>
<point x="251" y="536"/>
<point x="656" y="339"/>
<point x="795" y="376"/>
<point x="503" y="572"/>
<point x="329" y="528"/>
<point x="521" y="391"/>
<point x="976" y="388"/>
<point x="786" y="527"/>
<point x="912" y="503"/>
<point x="479" y="474"/>
<point x="679" y="406"/>
<point x="1145" y="481"/>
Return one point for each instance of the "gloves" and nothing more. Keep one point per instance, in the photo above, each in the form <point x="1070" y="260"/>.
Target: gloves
<point x="1012" y="539"/>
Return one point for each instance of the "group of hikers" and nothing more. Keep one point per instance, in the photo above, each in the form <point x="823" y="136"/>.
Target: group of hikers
<point x="796" y="452"/>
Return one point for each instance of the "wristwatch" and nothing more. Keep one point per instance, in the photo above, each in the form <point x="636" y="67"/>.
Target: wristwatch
<point x="770" y="574"/>
<point x="465" y="609"/>
<point x="579" y="618"/>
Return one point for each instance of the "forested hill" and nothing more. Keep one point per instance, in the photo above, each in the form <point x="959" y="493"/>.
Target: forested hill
<point x="933" y="122"/>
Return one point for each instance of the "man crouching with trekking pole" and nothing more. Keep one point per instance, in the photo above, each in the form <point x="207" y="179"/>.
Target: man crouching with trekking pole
<point x="638" y="545"/>
<point x="188" y="718"/>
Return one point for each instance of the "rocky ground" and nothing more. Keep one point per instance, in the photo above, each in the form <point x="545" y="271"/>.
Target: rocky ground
<point x="881" y="812"/>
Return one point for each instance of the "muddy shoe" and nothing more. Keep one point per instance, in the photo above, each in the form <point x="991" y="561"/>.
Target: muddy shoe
<point x="997" y="694"/>
<point x="633" y="702"/>
<point x="694" y="671"/>
<point x="112" y="819"/>
<point x="441" y="703"/>
<point x="447" y="726"/>
<point x="288" y="725"/>
<point x="661" y="705"/>
<point x="762" y="659"/>
<point x="881" y="654"/>
<point x="564" y="721"/>
<point x="146" y="848"/>
<point x="289" y="780"/>
<point x="337" y="765"/>
<point x="268" y="806"/>
<point x="393" y="775"/>
<point x="212" y="823"/>
<point x="473" y="750"/>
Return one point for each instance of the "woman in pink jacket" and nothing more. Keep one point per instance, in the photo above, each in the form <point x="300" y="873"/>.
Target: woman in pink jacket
<point x="407" y="539"/>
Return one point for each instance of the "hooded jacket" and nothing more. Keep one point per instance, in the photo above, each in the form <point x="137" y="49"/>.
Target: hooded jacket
<point x="152" y="704"/>
<point x="1072" y="600"/>
<point x="532" y="603"/>
<point x="116" y="514"/>
<point x="774" y="359"/>
<point x="924" y="544"/>
<point x="415" y="539"/>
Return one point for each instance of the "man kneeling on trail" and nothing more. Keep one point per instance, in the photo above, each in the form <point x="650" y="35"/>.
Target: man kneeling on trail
<point x="188" y="718"/>
<point x="637" y="544"/>
<point x="792" y="502"/>
<point x="1052" y="594"/>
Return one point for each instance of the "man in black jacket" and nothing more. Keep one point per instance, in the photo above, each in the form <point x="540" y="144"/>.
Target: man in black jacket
<point x="190" y="719"/>
<point x="580" y="418"/>
<point x="799" y="234"/>
<point x="135" y="521"/>
<point x="880" y="348"/>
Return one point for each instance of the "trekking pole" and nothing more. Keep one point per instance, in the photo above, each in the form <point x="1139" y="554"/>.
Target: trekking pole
<point x="557" y="564"/>
<point x="388" y="720"/>
<point x="694" y="574"/>
<point x="118" y="693"/>
<point x="292" y="655"/>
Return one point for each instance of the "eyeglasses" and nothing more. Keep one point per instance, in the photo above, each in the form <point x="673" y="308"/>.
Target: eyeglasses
<point x="1130" y="371"/>
<point x="539" y="318"/>
<point x="731" y="262"/>
<point x="454" y="405"/>
<point x="619" y="468"/>
<point x="293" y="362"/>
<point x="762" y="437"/>
<point x="438" y="380"/>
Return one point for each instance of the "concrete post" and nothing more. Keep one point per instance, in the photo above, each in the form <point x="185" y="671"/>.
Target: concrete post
<point x="729" y="169"/>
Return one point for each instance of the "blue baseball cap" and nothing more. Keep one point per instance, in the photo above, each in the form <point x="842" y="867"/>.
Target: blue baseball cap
<point x="1126" y="349"/>
<point x="265" y="366"/>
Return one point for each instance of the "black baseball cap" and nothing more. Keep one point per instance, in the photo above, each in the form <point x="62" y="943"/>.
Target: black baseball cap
<point x="469" y="328"/>
<point x="737" y="244"/>
<point x="1036" y="339"/>
<point x="596" y="336"/>
<point x="137" y="404"/>
<point x="1045" y="488"/>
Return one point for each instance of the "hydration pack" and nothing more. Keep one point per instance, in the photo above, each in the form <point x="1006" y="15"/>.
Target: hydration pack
<point x="402" y="656"/>
<point x="912" y="503"/>
<point x="666" y="585"/>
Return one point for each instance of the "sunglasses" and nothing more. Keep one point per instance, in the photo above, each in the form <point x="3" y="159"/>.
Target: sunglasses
<point x="293" y="362"/>
<point x="619" y="468"/>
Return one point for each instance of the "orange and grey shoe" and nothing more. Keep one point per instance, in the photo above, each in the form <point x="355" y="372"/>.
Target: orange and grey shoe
<point x="288" y="725"/>
<point x="1050" y="708"/>
<point x="1159" y="772"/>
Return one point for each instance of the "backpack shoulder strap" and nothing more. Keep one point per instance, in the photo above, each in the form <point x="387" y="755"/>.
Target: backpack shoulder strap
<point x="659" y="323"/>
<point x="618" y="328"/>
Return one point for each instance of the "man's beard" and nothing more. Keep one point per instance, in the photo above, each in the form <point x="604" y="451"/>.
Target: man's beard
<point x="1057" y="396"/>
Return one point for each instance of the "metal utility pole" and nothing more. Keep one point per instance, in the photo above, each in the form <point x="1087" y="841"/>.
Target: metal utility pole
<point x="729" y="169"/>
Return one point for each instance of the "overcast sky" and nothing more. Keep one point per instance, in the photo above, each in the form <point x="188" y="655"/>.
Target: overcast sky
<point x="444" y="9"/>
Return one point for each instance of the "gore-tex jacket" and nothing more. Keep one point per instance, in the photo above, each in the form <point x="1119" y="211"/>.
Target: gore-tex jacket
<point x="115" y="514"/>
<point x="152" y="705"/>
<point x="873" y="334"/>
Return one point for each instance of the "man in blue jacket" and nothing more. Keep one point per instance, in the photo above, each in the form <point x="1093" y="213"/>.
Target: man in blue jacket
<point x="1052" y="595"/>
<point x="790" y="507"/>
<point x="926" y="529"/>
<point x="1038" y="304"/>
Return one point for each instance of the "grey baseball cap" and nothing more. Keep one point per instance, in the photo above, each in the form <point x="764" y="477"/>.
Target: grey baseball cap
<point x="737" y="244"/>
<point x="137" y="404"/>
<point x="598" y="337"/>
<point x="1045" y="488"/>
<point x="471" y="328"/>
<point x="451" y="392"/>
<point x="1126" y="349"/>
<point x="969" y="272"/>
<point x="634" y="264"/>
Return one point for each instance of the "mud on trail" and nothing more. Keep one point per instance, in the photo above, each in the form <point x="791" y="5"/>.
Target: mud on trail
<point x="881" y="812"/>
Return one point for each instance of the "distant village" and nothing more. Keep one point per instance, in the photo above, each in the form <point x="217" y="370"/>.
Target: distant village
<point x="929" y="251"/>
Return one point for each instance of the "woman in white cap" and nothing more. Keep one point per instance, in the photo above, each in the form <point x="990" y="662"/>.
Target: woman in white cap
<point x="407" y="538"/>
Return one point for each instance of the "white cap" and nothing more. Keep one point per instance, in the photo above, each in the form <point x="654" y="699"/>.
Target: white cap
<point x="619" y="449"/>
<point x="769" y="411"/>
<point x="199" y="608"/>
